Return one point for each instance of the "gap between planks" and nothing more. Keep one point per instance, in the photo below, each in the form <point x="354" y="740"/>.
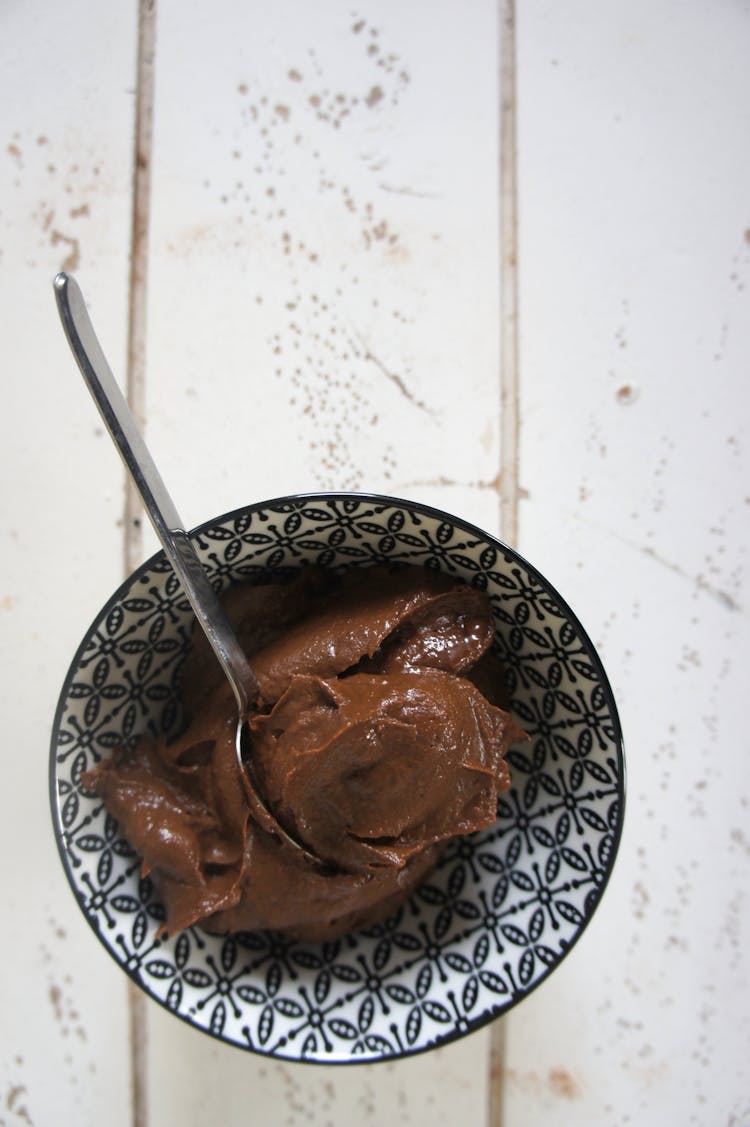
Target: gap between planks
<point x="509" y="362"/>
<point x="509" y="394"/>
<point x="138" y="288"/>
<point x="136" y="395"/>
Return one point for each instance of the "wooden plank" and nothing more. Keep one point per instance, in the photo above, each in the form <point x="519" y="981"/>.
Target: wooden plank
<point x="324" y="253"/>
<point x="323" y="313"/>
<point x="66" y="89"/>
<point x="194" y="1079"/>
<point x="634" y="261"/>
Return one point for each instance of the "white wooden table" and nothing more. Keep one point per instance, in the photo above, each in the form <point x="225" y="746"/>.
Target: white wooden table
<point x="491" y="256"/>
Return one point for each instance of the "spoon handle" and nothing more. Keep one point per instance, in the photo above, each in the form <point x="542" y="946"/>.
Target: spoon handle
<point x="170" y="529"/>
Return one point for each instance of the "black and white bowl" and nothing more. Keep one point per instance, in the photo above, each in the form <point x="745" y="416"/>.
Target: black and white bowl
<point x="503" y="907"/>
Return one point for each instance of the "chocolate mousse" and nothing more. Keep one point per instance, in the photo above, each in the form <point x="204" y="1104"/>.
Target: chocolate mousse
<point x="377" y="735"/>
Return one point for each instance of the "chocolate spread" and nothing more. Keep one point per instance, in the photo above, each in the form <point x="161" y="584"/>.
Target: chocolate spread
<point x="377" y="735"/>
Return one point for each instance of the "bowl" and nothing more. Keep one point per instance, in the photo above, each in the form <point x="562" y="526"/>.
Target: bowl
<point x="492" y="921"/>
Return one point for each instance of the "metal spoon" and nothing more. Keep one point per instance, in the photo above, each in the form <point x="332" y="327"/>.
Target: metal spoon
<point x="170" y="529"/>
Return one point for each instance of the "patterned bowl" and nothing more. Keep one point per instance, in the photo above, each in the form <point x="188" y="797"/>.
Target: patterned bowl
<point x="502" y="908"/>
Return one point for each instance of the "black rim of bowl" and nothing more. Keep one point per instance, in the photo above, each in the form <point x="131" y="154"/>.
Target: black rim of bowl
<point x="301" y="499"/>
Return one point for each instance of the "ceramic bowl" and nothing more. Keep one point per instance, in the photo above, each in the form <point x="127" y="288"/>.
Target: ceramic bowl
<point x="503" y="907"/>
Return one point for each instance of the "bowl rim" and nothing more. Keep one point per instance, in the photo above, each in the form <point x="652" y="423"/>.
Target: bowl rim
<point x="159" y="557"/>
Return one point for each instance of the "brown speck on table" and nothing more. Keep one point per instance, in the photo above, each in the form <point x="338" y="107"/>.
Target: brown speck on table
<point x="72" y="260"/>
<point x="738" y="838"/>
<point x="375" y="96"/>
<point x="55" y="997"/>
<point x="14" y="1094"/>
<point x="626" y="394"/>
<point x="563" y="1084"/>
<point x="641" y="898"/>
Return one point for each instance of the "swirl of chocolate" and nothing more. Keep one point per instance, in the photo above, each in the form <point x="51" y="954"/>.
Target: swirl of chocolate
<point x="379" y="735"/>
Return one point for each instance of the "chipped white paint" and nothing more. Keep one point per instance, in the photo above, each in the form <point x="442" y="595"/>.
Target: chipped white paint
<point x="324" y="310"/>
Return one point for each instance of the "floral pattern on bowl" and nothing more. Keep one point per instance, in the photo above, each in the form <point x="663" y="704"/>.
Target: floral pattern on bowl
<point x="501" y="909"/>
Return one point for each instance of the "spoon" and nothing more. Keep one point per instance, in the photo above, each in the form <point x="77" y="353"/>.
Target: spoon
<point x="170" y="529"/>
